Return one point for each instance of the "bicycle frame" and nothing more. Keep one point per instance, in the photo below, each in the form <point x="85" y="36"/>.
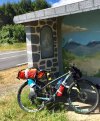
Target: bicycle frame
<point x="66" y="77"/>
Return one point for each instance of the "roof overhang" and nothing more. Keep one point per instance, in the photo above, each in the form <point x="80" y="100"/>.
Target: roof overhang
<point x="78" y="7"/>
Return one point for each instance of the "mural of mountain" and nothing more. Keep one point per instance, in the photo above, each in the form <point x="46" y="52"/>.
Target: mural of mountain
<point x="83" y="50"/>
<point x="93" y="44"/>
<point x="71" y="45"/>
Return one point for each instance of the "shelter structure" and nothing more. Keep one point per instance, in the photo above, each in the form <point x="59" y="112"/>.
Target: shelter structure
<point x="74" y="28"/>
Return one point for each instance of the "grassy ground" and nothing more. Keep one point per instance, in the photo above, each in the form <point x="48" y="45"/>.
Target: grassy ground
<point x="16" y="46"/>
<point x="9" y="109"/>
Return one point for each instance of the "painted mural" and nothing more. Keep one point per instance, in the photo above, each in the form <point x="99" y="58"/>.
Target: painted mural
<point x="81" y="41"/>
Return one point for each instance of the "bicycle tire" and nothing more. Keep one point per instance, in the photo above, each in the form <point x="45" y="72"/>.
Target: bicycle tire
<point x="84" y="101"/>
<point x="22" y="105"/>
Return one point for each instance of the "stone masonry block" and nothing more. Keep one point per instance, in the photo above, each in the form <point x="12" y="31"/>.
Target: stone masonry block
<point x="42" y="62"/>
<point x="49" y="63"/>
<point x="32" y="29"/>
<point x="49" y="23"/>
<point x="34" y="48"/>
<point x="72" y="7"/>
<point x="55" y="64"/>
<point x="39" y="13"/>
<point x="42" y="22"/>
<point x="35" y="39"/>
<point x="38" y="29"/>
<point x="60" y="10"/>
<point x="34" y="23"/>
<point x="42" y="67"/>
<point x="28" y="30"/>
<point x="86" y="4"/>
<point x="96" y="2"/>
<point x="35" y="65"/>
<point x="49" y="11"/>
<point x="53" y="69"/>
<point x="36" y="57"/>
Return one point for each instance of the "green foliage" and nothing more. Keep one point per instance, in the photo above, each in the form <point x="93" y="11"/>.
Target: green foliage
<point x="9" y="10"/>
<point x="97" y="74"/>
<point x="40" y="4"/>
<point x="12" y="34"/>
<point x="15" y="46"/>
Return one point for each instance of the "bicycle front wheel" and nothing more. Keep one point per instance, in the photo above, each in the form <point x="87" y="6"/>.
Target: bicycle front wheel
<point x="83" y="96"/>
<point x="27" y="99"/>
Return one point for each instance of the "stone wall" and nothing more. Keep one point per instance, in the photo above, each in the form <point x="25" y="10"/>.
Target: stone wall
<point x="33" y="30"/>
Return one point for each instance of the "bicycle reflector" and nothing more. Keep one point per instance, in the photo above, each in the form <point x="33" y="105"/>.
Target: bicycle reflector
<point x="49" y="76"/>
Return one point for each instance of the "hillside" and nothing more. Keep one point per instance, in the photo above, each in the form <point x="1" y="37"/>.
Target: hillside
<point x="83" y="50"/>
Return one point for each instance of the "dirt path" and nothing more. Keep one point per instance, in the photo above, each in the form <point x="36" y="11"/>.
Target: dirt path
<point x="72" y="116"/>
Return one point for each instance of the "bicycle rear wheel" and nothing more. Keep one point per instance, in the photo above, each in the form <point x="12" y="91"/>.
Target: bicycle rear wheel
<point x="28" y="100"/>
<point x="83" y="96"/>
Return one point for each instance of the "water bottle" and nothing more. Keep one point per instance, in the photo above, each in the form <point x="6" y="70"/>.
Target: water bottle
<point x="60" y="90"/>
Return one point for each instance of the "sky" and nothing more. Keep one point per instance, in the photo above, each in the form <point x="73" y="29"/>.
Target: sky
<point x="54" y="3"/>
<point x="5" y="1"/>
<point x="80" y="29"/>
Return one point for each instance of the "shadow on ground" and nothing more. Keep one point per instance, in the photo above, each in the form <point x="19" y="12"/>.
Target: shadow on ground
<point x="61" y="104"/>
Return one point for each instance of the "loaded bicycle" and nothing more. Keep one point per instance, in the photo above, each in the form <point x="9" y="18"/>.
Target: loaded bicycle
<point x="37" y="91"/>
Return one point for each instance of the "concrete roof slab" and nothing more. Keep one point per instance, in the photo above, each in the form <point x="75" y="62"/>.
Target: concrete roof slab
<point x="60" y="10"/>
<point x="72" y="7"/>
<point x="86" y="4"/>
<point x="82" y="6"/>
<point x="96" y="2"/>
<point x="39" y="13"/>
<point x="30" y="15"/>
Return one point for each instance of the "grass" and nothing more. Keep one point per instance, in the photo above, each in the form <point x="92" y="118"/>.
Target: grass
<point x="15" y="46"/>
<point x="10" y="111"/>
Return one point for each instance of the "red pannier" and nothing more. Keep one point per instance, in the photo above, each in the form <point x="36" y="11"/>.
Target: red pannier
<point x="41" y="74"/>
<point x="27" y="74"/>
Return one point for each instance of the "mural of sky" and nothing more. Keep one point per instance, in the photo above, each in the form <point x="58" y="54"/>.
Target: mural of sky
<point x="82" y="28"/>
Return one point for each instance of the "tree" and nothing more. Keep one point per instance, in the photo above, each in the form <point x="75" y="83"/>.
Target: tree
<point x="9" y="10"/>
<point x="40" y="4"/>
<point x="25" y="6"/>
